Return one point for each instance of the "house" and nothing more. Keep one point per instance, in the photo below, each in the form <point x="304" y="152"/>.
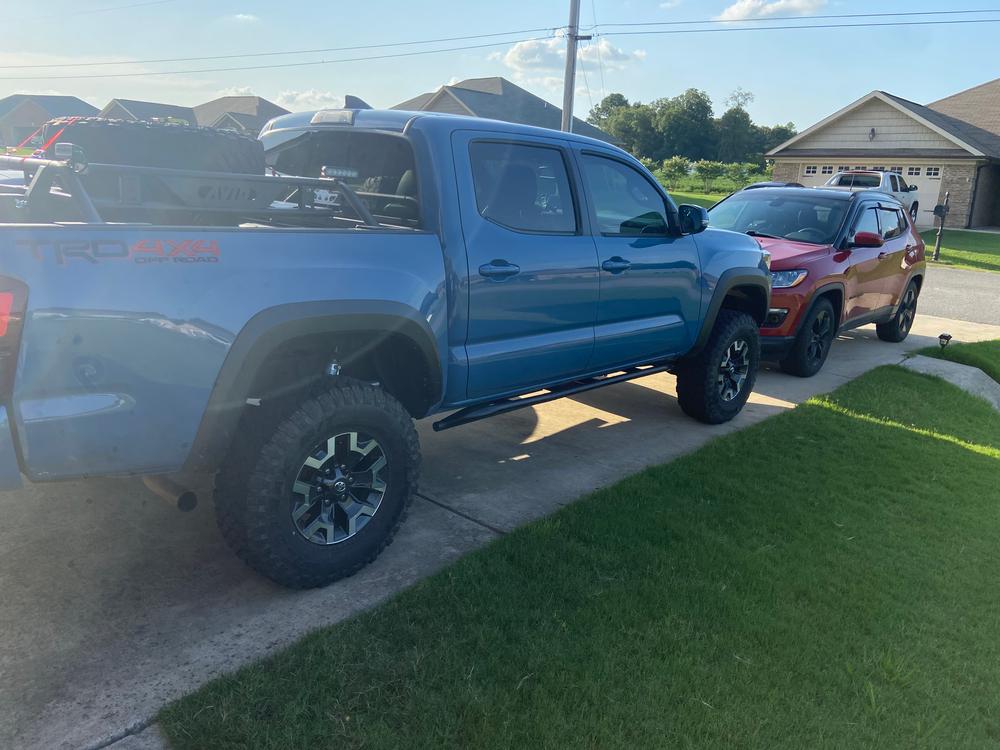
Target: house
<point x="131" y="109"/>
<point x="245" y="114"/>
<point x="951" y="145"/>
<point x="22" y="114"/>
<point x="497" y="99"/>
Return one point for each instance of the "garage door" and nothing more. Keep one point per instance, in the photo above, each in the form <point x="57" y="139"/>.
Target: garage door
<point x="928" y="185"/>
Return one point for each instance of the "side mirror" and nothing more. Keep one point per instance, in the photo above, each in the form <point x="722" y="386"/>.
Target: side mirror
<point x="867" y="239"/>
<point x="693" y="219"/>
<point x="913" y="188"/>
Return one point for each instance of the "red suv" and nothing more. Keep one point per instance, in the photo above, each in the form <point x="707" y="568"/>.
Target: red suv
<point x="838" y="261"/>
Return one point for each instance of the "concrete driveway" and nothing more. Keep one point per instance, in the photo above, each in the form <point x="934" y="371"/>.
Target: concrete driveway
<point x="113" y="604"/>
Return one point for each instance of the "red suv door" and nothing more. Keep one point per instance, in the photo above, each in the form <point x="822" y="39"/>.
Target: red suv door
<point x="864" y="279"/>
<point x="901" y="242"/>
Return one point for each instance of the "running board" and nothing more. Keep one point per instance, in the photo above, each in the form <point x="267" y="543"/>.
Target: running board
<point x="504" y="405"/>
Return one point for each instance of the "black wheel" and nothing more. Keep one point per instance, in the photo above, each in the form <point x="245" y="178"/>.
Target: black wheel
<point x="898" y="326"/>
<point x="713" y="386"/>
<point x="813" y="341"/>
<point x="321" y="492"/>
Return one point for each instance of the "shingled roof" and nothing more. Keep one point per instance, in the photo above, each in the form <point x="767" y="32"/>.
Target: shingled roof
<point x="251" y="112"/>
<point x="149" y="111"/>
<point x="979" y="106"/>
<point x="962" y="128"/>
<point x="56" y="106"/>
<point x="497" y="98"/>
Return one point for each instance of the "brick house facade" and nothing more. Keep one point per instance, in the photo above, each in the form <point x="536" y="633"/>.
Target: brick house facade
<point x="929" y="146"/>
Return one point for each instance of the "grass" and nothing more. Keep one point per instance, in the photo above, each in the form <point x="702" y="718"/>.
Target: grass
<point x="982" y="354"/>
<point x="699" y="199"/>
<point x="978" y="251"/>
<point x="824" y="579"/>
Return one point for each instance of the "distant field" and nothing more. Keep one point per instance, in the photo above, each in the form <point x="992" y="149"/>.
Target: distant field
<point x="699" y="199"/>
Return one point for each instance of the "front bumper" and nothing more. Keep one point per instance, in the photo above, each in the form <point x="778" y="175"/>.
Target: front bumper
<point x="10" y="473"/>
<point x="775" y="347"/>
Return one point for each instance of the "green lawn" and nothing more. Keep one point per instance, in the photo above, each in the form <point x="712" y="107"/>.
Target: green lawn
<point x="699" y="199"/>
<point x="825" y="579"/>
<point x="979" y="251"/>
<point x="982" y="354"/>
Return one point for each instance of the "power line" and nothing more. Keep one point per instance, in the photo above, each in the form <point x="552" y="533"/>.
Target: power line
<point x="797" y="26"/>
<point x="440" y="40"/>
<point x="88" y="11"/>
<point x="600" y="59"/>
<point x="768" y="19"/>
<point x="274" y="66"/>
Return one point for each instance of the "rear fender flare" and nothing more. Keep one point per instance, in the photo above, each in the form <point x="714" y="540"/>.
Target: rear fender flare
<point x="268" y="330"/>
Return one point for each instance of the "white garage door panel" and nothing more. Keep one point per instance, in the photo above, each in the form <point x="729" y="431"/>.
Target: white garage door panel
<point x="927" y="191"/>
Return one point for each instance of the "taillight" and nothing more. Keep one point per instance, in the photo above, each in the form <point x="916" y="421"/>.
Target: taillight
<point x="6" y="305"/>
<point x="13" y="301"/>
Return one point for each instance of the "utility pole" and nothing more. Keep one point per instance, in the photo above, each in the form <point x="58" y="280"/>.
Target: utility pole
<point x="569" y="83"/>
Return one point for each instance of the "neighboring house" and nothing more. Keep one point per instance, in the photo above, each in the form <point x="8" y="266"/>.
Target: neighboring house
<point x="131" y="109"/>
<point x="497" y="99"/>
<point x="245" y="114"/>
<point x="951" y="145"/>
<point x="22" y="114"/>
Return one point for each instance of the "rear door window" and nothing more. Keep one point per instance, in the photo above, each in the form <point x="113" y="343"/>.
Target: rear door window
<point x="892" y="223"/>
<point x="523" y="187"/>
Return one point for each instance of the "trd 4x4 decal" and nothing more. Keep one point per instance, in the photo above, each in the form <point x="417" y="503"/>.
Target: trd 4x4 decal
<point x="141" y="252"/>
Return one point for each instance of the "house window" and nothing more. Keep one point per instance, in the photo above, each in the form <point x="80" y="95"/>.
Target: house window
<point x="827" y="169"/>
<point x="843" y="168"/>
<point x="811" y="169"/>
<point x="862" y="167"/>
<point x="913" y="171"/>
<point x="933" y="172"/>
<point x="896" y="170"/>
<point x="878" y="169"/>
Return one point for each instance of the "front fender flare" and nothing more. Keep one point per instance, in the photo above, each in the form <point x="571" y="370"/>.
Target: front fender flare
<point x="735" y="277"/>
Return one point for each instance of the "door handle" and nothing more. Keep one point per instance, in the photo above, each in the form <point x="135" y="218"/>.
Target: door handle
<point x="499" y="269"/>
<point x="616" y="265"/>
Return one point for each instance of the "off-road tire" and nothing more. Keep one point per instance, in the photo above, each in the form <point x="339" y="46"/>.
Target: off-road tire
<point x="698" y="377"/>
<point x="253" y="496"/>
<point x="897" y="328"/>
<point x="810" y="349"/>
<point x="159" y="144"/>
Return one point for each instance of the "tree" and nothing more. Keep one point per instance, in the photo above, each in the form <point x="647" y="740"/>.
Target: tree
<point x="742" y="173"/>
<point x="709" y="171"/>
<point x="737" y="137"/>
<point x="772" y="137"/>
<point x="739" y="99"/>
<point x="635" y="129"/>
<point x="600" y="114"/>
<point x="674" y="170"/>
<point x="687" y="125"/>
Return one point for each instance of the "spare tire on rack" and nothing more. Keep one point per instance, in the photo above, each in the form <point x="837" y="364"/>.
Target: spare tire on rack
<point x="157" y="144"/>
<point x="146" y="198"/>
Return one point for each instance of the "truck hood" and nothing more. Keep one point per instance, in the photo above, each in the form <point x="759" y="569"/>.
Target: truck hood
<point x="787" y="254"/>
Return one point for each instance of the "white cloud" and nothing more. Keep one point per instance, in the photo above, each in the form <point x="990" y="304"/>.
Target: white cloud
<point x="668" y="4"/>
<point x="743" y="9"/>
<point x="245" y="18"/>
<point x="237" y="91"/>
<point x="309" y="99"/>
<point x="611" y="57"/>
<point x="550" y="54"/>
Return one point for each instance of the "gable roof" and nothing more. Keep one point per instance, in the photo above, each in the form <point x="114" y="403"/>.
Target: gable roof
<point x="975" y="141"/>
<point x="978" y="106"/>
<point x="56" y="106"/>
<point x="256" y="111"/>
<point x="496" y="98"/>
<point x="151" y="110"/>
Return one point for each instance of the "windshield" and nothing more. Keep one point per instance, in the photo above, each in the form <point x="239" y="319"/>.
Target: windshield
<point x="378" y="167"/>
<point x="852" y="179"/>
<point x="798" y="217"/>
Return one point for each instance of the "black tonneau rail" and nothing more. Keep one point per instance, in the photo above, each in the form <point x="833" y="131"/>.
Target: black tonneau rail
<point x="112" y="192"/>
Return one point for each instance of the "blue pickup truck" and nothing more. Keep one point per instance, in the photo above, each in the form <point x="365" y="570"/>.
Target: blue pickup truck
<point x="284" y="330"/>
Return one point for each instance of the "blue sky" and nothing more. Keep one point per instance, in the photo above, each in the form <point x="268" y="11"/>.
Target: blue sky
<point x="799" y="76"/>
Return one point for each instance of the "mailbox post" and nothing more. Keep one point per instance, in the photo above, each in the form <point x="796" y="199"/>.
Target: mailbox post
<point x="941" y="212"/>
